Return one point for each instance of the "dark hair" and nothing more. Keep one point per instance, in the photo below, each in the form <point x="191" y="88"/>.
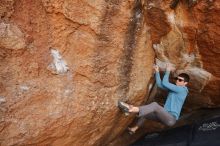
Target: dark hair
<point x="185" y="76"/>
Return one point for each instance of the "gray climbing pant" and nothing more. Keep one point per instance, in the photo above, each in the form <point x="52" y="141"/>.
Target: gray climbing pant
<point x="155" y="112"/>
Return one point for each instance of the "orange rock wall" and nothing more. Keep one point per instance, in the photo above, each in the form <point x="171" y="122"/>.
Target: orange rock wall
<point x="64" y="66"/>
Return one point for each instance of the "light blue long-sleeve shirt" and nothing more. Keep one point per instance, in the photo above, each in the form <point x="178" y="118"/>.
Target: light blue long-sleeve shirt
<point x="176" y="95"/>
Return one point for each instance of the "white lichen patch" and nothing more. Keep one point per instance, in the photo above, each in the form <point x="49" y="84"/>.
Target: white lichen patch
<point x="174" y="19"/>
<point x="171" y="17"/>
<point x="24" y="88"/>
<point x="159" y="48"/>
<point x="2" y="99"/>
<point x="156" y="46"/>
<point x="58" y="66"/>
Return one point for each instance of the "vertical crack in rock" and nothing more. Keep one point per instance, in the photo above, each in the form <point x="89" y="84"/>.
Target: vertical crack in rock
<point x="126" y="61"/>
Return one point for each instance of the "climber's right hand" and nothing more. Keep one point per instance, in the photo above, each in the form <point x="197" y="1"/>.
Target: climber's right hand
<point x="156" y="68"/>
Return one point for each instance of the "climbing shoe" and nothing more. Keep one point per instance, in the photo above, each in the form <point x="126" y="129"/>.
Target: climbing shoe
<point x="130" y="131"/>
<point x="123" y="106"/>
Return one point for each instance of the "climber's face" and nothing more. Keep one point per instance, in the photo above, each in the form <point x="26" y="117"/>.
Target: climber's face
<point x="180" y="81"/>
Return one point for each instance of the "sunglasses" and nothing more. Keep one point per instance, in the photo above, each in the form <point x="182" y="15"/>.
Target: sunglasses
<point x="180" y="80"/>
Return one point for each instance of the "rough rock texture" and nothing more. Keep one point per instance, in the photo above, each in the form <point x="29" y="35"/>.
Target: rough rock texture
<point x="65" y="64"/>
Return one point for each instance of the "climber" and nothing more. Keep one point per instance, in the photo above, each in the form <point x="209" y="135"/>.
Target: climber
<point x="173" y="105"/>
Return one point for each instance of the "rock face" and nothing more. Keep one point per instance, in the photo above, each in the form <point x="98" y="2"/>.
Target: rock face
<point x="65" y="64"/>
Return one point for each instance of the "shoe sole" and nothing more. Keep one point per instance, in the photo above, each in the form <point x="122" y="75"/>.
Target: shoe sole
<point x="130" y="132"/>
<point x="123" y="108"/>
